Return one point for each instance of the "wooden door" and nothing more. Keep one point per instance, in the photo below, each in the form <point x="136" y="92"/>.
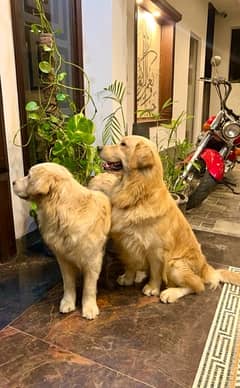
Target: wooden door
<point x="7" y="235"/>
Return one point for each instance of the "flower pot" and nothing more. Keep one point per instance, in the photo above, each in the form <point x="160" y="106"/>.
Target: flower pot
<point x="46" y="38"/>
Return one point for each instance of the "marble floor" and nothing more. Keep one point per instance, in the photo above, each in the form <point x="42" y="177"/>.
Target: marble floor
<point x="135" y="342"/>
<point x="220" y="212"/>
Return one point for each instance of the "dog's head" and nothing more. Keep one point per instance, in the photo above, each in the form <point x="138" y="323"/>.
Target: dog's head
<point x="40" y="181"/>
<point x="133" y="152"/>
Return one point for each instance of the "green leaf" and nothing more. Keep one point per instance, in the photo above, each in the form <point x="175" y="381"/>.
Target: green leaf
<point x="33" y="210"/>
<point x="58" y="147"/>
<point x="35" y="28"/>
<point x="80" y="122"/>
<point x="112" y="131"/>
<point x="61" y="76"/>
<point x="117" y="90"/>
<point x="46" y="48"/>
<point x="45" y="67"/>
<point x="33" y="116"/>
<point x="61" y="97"/>
<point x="31" y="106"/>
<point x="166" y="104"/>
<point x="54" y="119"/>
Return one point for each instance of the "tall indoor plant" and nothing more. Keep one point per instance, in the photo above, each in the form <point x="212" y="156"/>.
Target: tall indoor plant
<point x="175" y="150"/>
<point x="58" y="131"/>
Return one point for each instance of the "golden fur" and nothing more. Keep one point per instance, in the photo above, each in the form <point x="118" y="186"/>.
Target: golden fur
<point x="74" y="222"/>
<point x="149" y="230"/>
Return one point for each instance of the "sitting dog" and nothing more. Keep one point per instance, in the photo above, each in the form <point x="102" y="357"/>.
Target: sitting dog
<point x="74" y="222"/>
<point x="148" y="229"/>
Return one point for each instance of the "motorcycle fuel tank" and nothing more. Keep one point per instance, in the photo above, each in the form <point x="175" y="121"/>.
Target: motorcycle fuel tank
<point x="214" y="163"/>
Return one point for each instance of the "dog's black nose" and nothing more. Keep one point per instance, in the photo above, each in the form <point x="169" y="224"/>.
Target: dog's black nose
<point x="13" y="183"/>
<point x="99" y="148"/>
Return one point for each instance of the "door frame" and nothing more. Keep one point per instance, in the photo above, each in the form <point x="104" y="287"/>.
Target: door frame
<point x="7" y="232"/>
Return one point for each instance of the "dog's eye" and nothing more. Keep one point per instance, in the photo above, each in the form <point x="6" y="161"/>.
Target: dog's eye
<point x="123" y="144"/>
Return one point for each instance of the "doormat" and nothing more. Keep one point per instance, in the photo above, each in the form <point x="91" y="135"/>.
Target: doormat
<point x="220" y="363"/>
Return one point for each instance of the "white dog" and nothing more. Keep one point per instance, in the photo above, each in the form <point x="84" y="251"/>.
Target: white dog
<point x="74" y="222"/>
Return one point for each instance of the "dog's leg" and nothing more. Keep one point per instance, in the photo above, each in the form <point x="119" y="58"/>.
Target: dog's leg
<point x="128" y="278"/>
<point x="183" y="277"/>
<point x="89" y="304"/>
<point x="140" y="276"/>
<point x="68" y="271"/>
<point x="154" y="283"/>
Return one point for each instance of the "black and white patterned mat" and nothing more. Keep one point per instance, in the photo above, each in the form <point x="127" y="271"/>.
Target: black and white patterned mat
<point x="220" y="363"/>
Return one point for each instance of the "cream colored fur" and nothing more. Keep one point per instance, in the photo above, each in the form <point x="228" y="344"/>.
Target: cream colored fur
<point x="74" y="222"/>
<point x="148" y="229"/>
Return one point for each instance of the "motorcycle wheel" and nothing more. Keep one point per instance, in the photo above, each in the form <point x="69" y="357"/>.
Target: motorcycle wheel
<point x="205" y="187"/>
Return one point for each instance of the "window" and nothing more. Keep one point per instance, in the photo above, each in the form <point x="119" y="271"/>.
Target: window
<point x="234" y="67"/>
<point x="155" y="27"/>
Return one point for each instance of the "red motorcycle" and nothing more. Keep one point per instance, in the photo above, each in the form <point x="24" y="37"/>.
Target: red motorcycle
<point x="216" y="149"/>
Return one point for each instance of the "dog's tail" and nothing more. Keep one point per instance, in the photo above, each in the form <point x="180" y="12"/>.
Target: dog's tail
<point x="214" y="276"/>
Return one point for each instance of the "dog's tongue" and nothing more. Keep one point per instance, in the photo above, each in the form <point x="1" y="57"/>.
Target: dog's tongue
<point x="112" y="165"/>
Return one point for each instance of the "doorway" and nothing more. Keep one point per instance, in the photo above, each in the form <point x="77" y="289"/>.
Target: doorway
<point x="192" y="77"/>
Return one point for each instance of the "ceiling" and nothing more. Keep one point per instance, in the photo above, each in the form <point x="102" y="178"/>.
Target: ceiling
<point x="228" y="6"/>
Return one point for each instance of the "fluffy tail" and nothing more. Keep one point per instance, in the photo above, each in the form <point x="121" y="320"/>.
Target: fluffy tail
<point x="229" y="276"/>
<point x="214" y="276"/>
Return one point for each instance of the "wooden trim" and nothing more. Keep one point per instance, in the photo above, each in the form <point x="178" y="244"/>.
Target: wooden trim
<point x="166" y="62"/>
<point x="77" y="50"/>
<point x="135" y="61"/>
<point x="167" y="20"/>
<point x="169" y="13"/>
<point x="7" y="234"/>
<point x="18" y="39"/>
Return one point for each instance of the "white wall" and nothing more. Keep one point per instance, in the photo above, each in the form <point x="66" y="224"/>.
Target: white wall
<point x="194" y="21"/>
<point x="222" y="45"/>
<point x="10" y="107"/>
<point x="105" y="52"/>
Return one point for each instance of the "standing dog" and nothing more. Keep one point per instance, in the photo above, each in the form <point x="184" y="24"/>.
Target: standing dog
<point x="74" y="222"/>
<point x="148" y="229"/>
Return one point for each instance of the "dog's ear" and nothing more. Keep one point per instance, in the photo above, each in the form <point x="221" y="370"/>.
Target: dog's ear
<point x="40" y="186"/>
<point x="142" y="157"/>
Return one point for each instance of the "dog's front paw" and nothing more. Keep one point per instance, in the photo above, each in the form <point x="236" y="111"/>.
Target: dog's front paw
<point x="150" y="291"/>
<point x="124" y="280"/>
<point x="90" y="310"/>
<point x="170" y="295"/>
<point x="66" y="306"/>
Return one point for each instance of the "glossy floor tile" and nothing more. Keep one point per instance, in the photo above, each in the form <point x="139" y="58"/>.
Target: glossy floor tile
<point x="23" y="282"/>
<point x="135" y="342"/>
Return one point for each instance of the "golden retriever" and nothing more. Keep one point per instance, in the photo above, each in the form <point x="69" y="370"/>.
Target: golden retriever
<point x="74" y="222"/>
<point x="148" y="229"/>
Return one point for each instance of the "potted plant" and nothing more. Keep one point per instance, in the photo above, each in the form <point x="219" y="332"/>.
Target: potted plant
<point x="174" y="153"/>
<point x="65" y="134"/>
<point x="173" y="160"/>
<point x="58" y="131"/>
